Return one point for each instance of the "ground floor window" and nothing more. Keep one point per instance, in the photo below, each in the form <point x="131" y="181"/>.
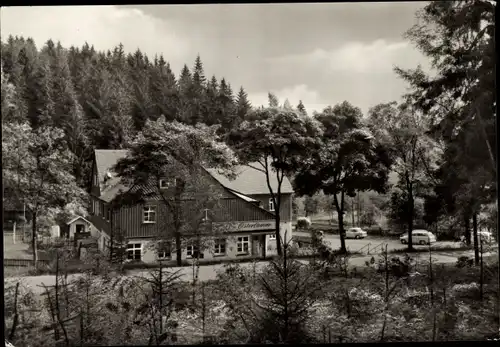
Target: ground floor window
<point x="243" y="244"/>
<point x="220" y="246"/>
<point x="193" y="250"/>
<point x="164" y="250"/>
<point x="134" y="251"/>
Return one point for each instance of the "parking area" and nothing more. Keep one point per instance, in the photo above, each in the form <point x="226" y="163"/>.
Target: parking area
<point x="372" y="244"/>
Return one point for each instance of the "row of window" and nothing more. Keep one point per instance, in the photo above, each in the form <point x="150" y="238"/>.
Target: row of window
<point x="134" y="250"/>
<point x="148" y="212"/>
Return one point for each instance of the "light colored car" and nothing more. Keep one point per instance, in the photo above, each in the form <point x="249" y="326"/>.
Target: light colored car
<point x="355" y="233"/>
<point x="484" y="236"/>
<point x="419" y="237"/>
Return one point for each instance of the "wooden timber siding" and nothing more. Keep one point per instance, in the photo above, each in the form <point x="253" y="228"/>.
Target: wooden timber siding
<point x="128" y="220"/>
<point x="286" y="205"/>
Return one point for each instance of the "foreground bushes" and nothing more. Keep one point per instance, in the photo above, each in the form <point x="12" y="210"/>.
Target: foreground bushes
<point x="390" y="299"/>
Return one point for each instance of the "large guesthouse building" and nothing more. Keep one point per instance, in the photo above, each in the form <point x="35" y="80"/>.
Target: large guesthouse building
<point x="248" y="216"/>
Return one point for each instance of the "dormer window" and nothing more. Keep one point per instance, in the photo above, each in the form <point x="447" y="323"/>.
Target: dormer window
<point x="165" y="183"/>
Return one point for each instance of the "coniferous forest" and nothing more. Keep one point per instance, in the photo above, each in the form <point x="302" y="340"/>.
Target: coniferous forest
<point x="103" y="99"/>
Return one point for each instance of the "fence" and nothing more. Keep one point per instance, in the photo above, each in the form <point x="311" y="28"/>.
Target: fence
<point x="23" y="262"/>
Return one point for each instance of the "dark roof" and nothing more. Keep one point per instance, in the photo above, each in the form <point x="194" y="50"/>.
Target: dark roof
<point x="249" y="181"/>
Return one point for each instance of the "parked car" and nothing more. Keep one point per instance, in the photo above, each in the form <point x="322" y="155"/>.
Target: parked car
<point x="484" y="236"/>
<point x="419" y="237"/>
<point x="355" y="233"/>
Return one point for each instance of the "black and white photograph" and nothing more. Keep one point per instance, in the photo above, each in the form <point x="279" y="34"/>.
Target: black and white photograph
<point x="249" y="173"/>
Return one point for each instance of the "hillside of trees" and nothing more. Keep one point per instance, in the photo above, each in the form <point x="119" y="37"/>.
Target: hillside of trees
<point x="103" y="99"/>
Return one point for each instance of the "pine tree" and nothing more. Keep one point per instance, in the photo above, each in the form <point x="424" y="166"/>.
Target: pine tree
<point x="273" y="100"/>
<point x="287" y="105"/>
<point x="164" y="92"/>
<point x="242" y="105"/>
<point x="227" y="109"/>
<point x="184" y="85"/>
<point x="199" y="79"/>
<point x="40" y="105"/>
<point x="301" y="108"/>
<point x="197" y="94"/>
<point x="185" y="80"/>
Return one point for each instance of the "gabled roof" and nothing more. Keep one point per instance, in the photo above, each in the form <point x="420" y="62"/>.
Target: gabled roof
<point x="248" y="181"/>
<point x="75" y="219"/>
<point x="106" y="159"/>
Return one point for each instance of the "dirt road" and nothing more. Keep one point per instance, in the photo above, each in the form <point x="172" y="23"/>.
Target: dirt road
<point x="209" y="272"/>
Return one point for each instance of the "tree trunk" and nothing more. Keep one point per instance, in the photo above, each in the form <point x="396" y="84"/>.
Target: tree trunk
<point x="476" y="239"/>
<point x="178" y="247"/>
<point x="358" y="210"/>
<point x="34" y="240"/>
<point x="411" y="208"/>
<point x="278" y="236"/>
<point x="340" y="214"/>
<point x="467" y="229"/>
<point x="353" y="208"/>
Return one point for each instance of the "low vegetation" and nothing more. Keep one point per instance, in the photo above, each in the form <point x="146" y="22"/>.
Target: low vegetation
<point x="323" y="300"/>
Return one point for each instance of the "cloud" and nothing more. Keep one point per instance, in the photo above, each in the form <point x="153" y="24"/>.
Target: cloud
<point x="103" y="26"/>
<point x="310" y="98"/>
<point x="375" y="57"/>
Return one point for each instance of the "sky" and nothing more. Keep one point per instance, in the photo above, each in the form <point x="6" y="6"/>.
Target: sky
<point x="322" y="54"/>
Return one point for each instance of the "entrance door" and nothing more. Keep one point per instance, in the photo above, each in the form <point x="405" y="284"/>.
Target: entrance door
<point x="256" y="246"/>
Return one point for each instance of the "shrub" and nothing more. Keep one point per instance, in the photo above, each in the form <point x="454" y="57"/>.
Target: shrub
<point x="303" y="223"/>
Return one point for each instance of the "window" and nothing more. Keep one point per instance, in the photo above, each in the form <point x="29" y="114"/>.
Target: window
<point x="164" y="250"/>
<point x="220" y="247"/>
<point x="134" y="251"/>
<point x="167" y="183"/>
<point x="149" y="214"/>
<point x="101" y="204"/>
<point x="271" y="204"/>
<point x="243" y="245"/>
<point x="108" y="214"/>
<point x="192" y="250"/>
<point x="95" y="179"/>
<point x="272" y="236"/>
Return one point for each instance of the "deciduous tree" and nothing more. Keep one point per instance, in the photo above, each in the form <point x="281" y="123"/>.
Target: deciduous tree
<point x="179" y="154"/>
<point x="276" y="142"/>
<point x="348" y="160"/>
<point x="404" y="132"/>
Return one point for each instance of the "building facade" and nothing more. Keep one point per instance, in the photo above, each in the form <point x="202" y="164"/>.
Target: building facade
<point x="241" y="225"/>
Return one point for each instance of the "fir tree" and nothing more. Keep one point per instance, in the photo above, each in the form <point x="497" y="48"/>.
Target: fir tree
<point x="301" y="108"/>
<point x="242" y="105"/>
<point x="273" y="100"/>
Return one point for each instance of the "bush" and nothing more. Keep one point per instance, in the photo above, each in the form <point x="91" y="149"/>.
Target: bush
<point x="303" y="223"/>
<point x="464" y="261"/>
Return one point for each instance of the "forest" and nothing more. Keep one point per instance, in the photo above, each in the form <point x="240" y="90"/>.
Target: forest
<point x="428" y="160"/>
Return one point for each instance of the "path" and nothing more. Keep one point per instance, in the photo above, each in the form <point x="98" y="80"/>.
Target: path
<point x="209" y="272"/>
